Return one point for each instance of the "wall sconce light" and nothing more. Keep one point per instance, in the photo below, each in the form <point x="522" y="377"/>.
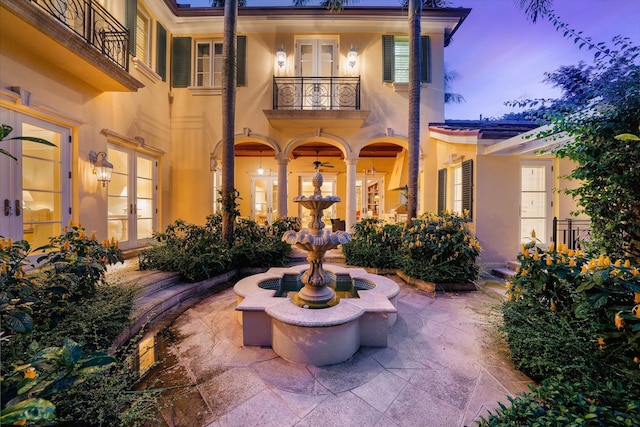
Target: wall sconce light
<point x="102" y="168"/>
<point x="260" y="170"/>
<point x="281" y="57"/>
<point x="352" y="57"/>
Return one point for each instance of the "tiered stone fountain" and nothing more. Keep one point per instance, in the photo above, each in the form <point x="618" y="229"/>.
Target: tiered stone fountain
<point x="297" y="311"/>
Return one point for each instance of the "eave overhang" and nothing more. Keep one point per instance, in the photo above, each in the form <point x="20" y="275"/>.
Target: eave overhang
<point x="198" y="20"/>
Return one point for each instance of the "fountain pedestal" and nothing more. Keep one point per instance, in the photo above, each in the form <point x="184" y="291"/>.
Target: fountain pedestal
<point x="316" y="241"/>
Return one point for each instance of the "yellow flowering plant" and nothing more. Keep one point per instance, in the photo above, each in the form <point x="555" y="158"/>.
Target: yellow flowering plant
<point x="440" y="249"/>
<point x="73" y="264"/>
<point x="591" y="299"/>
<point x="374" y="244"/>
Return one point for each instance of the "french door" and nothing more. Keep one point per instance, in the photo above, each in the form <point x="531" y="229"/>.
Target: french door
<point x="536" y="200"/>
<point x="132" y="197"/>
<point x="369" y="193"/>
<point x="35" y="190"/>
<point x="316" y="62"/>
<point x="264" y="198"/>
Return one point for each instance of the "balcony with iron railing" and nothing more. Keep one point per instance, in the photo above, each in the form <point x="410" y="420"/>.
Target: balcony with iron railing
<point x="316" y="102"/>
<point x="89" y="43"/>
<point x="89" y="20"/>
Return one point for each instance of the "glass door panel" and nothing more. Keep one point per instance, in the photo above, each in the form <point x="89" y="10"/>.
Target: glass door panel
<point x="144" y="206"/>
<point x="264" y="194"/>
<point x="118" y="197"/>
<point x="132" y="197"/>
<point x="535" y="201"/>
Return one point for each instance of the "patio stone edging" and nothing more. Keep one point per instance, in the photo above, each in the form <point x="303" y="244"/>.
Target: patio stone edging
<point x="180" y="297"/>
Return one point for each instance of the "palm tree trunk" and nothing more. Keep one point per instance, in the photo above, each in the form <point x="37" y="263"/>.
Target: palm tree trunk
<point x="228" y="118"/>
<point x="415" y="12"/>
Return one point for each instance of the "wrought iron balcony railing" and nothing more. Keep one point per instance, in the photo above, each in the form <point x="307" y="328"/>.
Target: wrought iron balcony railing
<point x="572" y="232"/>
<point x="94" y="24"/>
<point x="316" y="93"/>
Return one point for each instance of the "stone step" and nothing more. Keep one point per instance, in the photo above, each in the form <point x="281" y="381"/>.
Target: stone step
<point x="166" y="300"/>
<point x="503" y="273"/>
<point x="513" y="265"/>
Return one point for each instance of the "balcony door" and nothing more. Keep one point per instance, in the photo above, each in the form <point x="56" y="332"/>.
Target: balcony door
<point x="35" y="189"/>
<point x="132" y="201"/>
<point x="316" y="63"/>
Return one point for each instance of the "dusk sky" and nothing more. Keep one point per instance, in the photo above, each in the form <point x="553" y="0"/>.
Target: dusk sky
<point x="500" y="56"/>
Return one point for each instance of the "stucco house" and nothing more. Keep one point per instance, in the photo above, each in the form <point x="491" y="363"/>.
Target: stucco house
<point x="136" y="85"/>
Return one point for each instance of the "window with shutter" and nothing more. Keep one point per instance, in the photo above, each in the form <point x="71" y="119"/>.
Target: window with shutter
<point x="208" y="63"/>
<point x="131" y="16"/>
<point x="395" y="59"/>
<point x="442" y="190"/>
<point x="387" y="59"/>
<point x="467" y="187"/>
<point x="161" y="52"/>
<point x="242" y="61"/>
<point x="181" y="62"/>
<point x="425" y="54"/>
<point x="143" y="32"/>
<point x="456" y="189"/>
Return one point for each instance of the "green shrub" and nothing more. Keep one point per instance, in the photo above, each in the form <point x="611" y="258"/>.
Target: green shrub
<point x="67" y="297"/>
<point x="558" y="402"/>
<point x="373" y="244"/>
<point x="198" y="252"/>
<point x="17" y="291"/>
<point x="110" y="399"/>
<point x="572" y="322"/>
<point x="440" y="249"/>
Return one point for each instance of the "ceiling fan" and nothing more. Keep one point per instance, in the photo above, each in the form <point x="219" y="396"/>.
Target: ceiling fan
<point x="318" y="164"/>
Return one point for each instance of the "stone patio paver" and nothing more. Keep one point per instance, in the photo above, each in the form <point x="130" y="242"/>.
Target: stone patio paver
<point x="440" y="369"/>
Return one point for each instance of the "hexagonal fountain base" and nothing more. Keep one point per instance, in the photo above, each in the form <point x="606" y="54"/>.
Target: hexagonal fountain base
<point x="316" y="337"/>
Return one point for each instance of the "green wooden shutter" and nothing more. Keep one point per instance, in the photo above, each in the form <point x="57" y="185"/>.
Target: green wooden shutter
<point x="425" y="66"/>
<point x="131" y="19"/>
<point x="241" y="54"/>
<point x="442" y="190"/>
<point x="388" y="59"/>
<point x="181" y="62"/>
<point x="161" y="51"/>
<point x="467" y="187"/>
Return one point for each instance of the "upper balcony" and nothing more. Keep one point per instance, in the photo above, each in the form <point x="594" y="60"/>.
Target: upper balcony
<point x="316" y="102"/>
<point x="78" y="36"/>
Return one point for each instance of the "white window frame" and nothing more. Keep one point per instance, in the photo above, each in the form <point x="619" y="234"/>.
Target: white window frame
<point x="401" y="52"/>
<point x="456" y="189"/>
<point x="211" y="80"/>
<point x="143" y="52"/>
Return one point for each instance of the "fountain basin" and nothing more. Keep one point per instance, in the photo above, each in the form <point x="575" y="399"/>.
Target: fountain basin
<point x="316" y="337"/>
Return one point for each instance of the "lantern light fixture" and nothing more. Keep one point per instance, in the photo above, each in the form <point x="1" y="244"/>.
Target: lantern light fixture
<point x="352" y="57"/>
<point x="281" y="57"/>
<point x="102" y="168"/>
<point x="260" y="170"/>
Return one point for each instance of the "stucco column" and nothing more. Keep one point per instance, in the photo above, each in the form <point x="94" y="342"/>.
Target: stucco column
<point x="282" y="186"/>
<point x="350" y="219"/>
